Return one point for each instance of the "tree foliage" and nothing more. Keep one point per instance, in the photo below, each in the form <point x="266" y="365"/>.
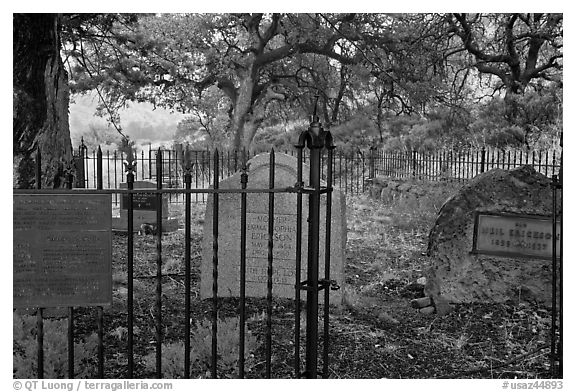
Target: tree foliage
<point x="238" y="75"/>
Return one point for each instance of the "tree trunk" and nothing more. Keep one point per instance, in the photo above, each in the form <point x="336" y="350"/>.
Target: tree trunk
<point x="242" y="107"/>
<point x="40" y="101"/>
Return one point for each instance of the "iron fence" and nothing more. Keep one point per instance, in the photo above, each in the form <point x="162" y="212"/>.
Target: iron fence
<point x="314" y="139"/>
<point x="312" y="285"/>
<point x="351" y="174"/>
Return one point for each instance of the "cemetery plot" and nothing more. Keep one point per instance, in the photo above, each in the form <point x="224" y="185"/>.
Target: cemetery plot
<point x="62" y="250"/>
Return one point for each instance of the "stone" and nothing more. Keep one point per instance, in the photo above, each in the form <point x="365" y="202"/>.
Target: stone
<point x="144" y="209"/>
<point x="421" y="302"/>
<point x="458" y="274"/>
<point x="427" y="310"/>
<point x="284" y="250"/>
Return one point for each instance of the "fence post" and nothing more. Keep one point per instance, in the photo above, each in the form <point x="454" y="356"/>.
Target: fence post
<point x="100" y="309"/>
<point x="414" y="164"/>
<point x="316" y="139"/>
<point x="313" y="248"/>
<point x="555" y="351"/>
<point x="187" y="167"/>
<point x="130" y="167"/>
<point x="39" y="314"/>
<point x="483" y="160"/>
<point x="79" y="165"/>
<point x="99" y="174"/>
<point x="372" y="163"/>
<point x="159" y="199"/>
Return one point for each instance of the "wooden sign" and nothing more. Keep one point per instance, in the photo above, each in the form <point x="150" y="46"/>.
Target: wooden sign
<point x="62" y="250"/>
<point x="515" y="235"/>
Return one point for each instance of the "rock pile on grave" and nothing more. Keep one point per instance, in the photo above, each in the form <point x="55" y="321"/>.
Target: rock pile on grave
<point x="459" y="275"/>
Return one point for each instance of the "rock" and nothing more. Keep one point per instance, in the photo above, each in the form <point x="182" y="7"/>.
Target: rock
<point x="427" y="310"/>
<point x="457" y="274"/>
<point x="419" y="303"/>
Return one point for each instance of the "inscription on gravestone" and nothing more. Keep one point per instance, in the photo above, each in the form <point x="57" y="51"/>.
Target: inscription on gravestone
<point x="62" y="250"/>
<point x="284" y="237"/>
<point x="515" y="235"/>
<point x="144" y="207"/>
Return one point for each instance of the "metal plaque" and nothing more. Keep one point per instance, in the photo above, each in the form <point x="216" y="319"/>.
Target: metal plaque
<point x="62" y="250"/>
<point x="140" y="201"/>
<point x="515" y="235"/>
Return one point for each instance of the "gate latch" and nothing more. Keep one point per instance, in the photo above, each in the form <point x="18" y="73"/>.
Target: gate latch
<point x="332" y="284"/>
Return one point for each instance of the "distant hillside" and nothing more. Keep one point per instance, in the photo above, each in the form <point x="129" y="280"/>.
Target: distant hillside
<point x="140" y="121"/>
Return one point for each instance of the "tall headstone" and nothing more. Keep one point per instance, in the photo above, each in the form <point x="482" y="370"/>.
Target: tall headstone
<point x="284" y="249"/>
<point x="492" y="240"/>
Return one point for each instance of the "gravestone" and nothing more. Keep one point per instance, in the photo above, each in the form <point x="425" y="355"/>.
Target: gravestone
<point x="62" y="250"/>
<point x="492" y="240"/>
<point x="284" y="249"/>
<point x="144" y="205"/>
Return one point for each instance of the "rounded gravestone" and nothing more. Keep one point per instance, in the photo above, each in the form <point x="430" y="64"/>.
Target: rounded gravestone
<point x="516" y="263"/>
<point x="284" y="240"/>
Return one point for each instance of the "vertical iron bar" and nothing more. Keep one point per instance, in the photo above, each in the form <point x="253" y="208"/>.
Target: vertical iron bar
<point x="243" y="206"/>
<point x="40" y="342"/>
<point x="483" y="160"/>
<point x="108" y="166"/>
<point x="121" y="161"/>
<point x="130" y="279"/>
<point x="150" y="161"/>
<point x="93" y="166"/>
<point x="327" y="264"/>
<point x="39" y="317"/>
<point x="553" y="357"/>
<point x="159" y="200"/>
<point x="170" y="174"/>
<point x="70" y="342"/>
<point x="99" y="173"/>
<point x="299" y="184"/>
<point x="215" y="271"/>
<point x="313" y="252"/>
<point x="115" y="178"/>
<point x="270" y="271"/>
<point x="100" y="326"/>
<point x="196" y="173"/>
<point x="100" y="309"/>
<point x="188" y="271"/>
<point x="561" y="280"/>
